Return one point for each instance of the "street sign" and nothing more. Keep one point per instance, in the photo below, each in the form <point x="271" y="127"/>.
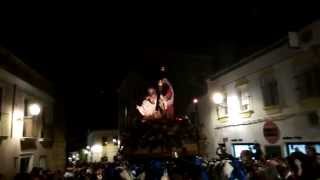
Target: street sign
<point x="271" y="132"/>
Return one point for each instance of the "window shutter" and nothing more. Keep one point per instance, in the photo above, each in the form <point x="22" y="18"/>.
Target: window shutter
<point x="43" y="122"/>
<point x="4" y="125"/>
<point x="46" y="129"/>
<point x="269" y="88"/>
<point x="4" y="117"/>
<point x="266" y="94"/>
<point x="30" y="127"/>
<point x="35" y="127"/>
<point x="27" y="127"/>
<point x="26" y="103"/>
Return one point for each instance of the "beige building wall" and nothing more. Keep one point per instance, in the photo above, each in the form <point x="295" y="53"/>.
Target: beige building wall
<point x="43" y="149"/>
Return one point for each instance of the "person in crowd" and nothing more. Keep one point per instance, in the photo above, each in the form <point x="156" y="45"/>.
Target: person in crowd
<point x="313" y="166"/>
<point x="246" y="157"/>
<point x="22" y="176"/>
<point x="285" y="172"/>
<point x="258" y="155"/>
<point x="297" y="166"/>
<point x="221" y="152"/>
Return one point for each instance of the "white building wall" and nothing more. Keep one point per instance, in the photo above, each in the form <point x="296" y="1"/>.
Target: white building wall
<point x="292" y="120"/>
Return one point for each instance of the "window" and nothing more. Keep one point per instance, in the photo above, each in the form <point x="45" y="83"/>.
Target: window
<point x="244" y="97"/>
<point x="222" y="109"/>
<point x="302" y="147"/>
<point x="296" y="147"/>
<point x="238" y="148"/>
<point x="26" y="104"/>
<point x="269" y="87"/>
<point x="30" y="127"/>
<point x="46" y="129"/>
<point x="25" y="164"/>
<point x="306" y="67"/>
<point x="308" y="83"/>
<point x="30" y="123"/>
<point x="43" y="162"/>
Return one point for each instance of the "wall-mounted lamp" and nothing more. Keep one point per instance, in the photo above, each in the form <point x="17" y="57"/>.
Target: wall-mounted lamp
<point x="217" y="98"/>
<point x="34" y="109"/>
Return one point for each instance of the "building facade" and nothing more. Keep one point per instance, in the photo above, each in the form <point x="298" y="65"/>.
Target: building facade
<point x="271" y="98"/>
<point x="102" y="145"/>
<point x="28" y="137"/>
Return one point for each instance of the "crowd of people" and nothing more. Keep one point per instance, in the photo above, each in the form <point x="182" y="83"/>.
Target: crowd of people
<point x="297" y="166"/>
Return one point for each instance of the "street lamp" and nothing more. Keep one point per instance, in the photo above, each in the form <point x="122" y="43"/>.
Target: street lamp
<point x="217" y="98"/>
<point x="34" y="109"/>
<point x="195" y="101"/>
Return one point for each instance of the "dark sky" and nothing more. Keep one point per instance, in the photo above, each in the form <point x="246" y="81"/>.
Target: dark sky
<point x="87" y="50"/>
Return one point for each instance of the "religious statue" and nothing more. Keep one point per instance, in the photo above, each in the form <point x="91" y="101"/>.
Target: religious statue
<point x="158" y="104"/>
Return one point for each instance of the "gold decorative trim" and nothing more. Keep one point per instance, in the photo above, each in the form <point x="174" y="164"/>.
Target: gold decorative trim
<point x="246" y="114"/>
<point x="311" y="102"/>
<point x="272" y="109"/>
<point x="223" y="119"/>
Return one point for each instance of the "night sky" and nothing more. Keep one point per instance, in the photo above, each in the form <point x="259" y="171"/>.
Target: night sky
<point x="87" y="50"/>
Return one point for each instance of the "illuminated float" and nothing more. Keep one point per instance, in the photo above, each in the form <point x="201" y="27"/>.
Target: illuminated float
<point x="157" y="131"/>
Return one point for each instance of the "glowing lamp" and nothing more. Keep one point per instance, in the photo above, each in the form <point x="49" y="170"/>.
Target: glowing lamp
<point x="97" y="148"/>
<point x="217" y="98"/>
<point x="195" y="101"/>
<point x="34" y="109"/>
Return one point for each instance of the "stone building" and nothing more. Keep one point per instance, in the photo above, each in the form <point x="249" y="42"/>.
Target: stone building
<point x="29" y="133"/>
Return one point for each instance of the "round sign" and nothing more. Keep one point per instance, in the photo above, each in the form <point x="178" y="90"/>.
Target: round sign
<point x="271" y="132"/>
